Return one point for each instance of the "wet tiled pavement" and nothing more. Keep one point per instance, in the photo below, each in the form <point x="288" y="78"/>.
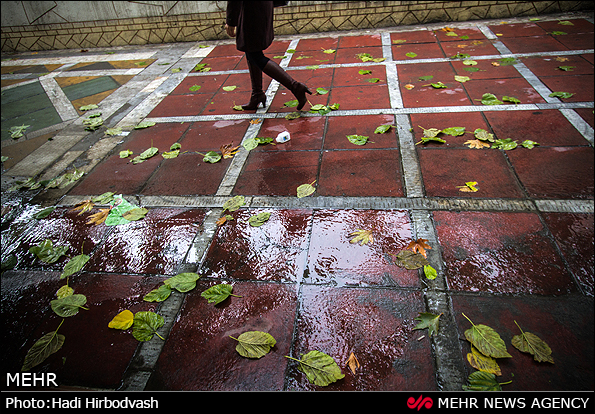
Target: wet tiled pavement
<point x="520" y="249"/>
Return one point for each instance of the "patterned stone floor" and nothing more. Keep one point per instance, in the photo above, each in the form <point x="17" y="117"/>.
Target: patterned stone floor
<point x="520" y="249"/>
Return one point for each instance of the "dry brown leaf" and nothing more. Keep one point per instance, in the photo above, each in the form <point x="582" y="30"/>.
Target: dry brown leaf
<point x="99" y="217"/>
<point x="228" y="151"/>
<point x="353" y="363"/>
<point x="447" y="29"/>
<point x="409" y="86"/>
<point x="84" y="206"/>
<point x="222" y="220"/>
<point x="562" y="59"/>
<point x="255" y="121"/>
<point x="475" y="143"/>
<point x="420" y="246"/>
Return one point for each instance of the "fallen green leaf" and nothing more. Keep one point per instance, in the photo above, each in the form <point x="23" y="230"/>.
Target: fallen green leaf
<point x="259" y="219"/>
<point x="74" y="265"/>
<point x="254" y="344"/>
<point x="486" y="340"/>
<point x="47" y="253"/>
<point x="218" y="293"/>
<point x="428" y="320"/>
<point x="146" y="324"/>
<point x="320" y="368"/>
<point x="68" y="305"/>
<point x="182" y="282"/>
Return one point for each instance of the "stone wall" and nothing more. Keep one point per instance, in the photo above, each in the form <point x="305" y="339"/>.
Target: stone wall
<point x="171" y="21"/>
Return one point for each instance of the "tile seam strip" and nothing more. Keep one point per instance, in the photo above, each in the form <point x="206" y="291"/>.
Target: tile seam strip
<point x="369" y="203"/>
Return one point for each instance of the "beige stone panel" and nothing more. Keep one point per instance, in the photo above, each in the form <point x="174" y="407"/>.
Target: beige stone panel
<point x="498" y="12"/>
<point x="437" y="15"/>
<point x="26" y="43"/>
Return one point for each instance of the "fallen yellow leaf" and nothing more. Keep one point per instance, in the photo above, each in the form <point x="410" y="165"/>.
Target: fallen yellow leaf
<point x="122" y="320"/>
<point x="353" y="363"/>
<point x="475" y="143"/>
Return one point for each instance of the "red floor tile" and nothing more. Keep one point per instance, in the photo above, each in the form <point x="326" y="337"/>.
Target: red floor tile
<point x="361" y="97"/>
<point x="312" y="57"/>
<point x="181" y="105"/>
<point x="225" y="51"/>
<point x="277" y="48"/>
<point x="117" y="175"/>
<point x="587" y="115"/>
<point x="559" y="322"/>
<point x="332" y="258"/>
<point x="424" y="95"/>
<point x="378" y="331"/>
<point x="471" y="121"/>
<point x="580" y="85"/>
<point x="578" y="26"/>
<point x="517" y="30"/>
<point x="547" y="127"/>
<point x="305" y="133"/>
<point x="578" y="41"/>
<point x="360" y="173"/>
<point x="516" y="87"/>
<point x="187" y="174"/>
<point x="339" y="127"/>
<point x="161" y="136"/>
<point x="485" y="70"/>
<point x="154" y="246"/>
<point x="312" y="78"/>
<point x="277" y="172"/>
<point x="550" y="65"/>
<point x="210" y="136"/>
<point x="93" y="355"/>
<point x="532" y="44"/>
<point x="574" y="235"/>
<point x="275" y="251"/>
<point x="350" y="76"/>
<point x="63" y="227"/>
<point x="221" y="63"/>
<point x="318" y="44"/>
<point x="504" y="253"/>
<point x="422" y="50"/>
<point x="208" y="84"/>
<point x="443" y="170"/>
<point x="349" y="55"/>
<point x="223" y="102"/>
<point x="470" y="47"/>
<point x="416" y="36"/>
<point x="560" y="172"/>
<point x="410" y="73"/>
<point x="359" y="41"/>
<point x="472" y="33"/>
<point x="203" y="331"/>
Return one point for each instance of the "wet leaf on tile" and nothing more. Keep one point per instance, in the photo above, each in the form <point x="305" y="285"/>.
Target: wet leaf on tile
<point x="74" y="265"/>
<point x="475" y="143"/>
<point x="321" y="91"/>
<point x="505" y="144"/>
<point x="158" y="295"/>
<point x="411" y="54"/>
<point x="170" y="154"/>
<point x="381" y="129"/>
<point x="566" y="68"/>
<point x="146" y="324"/>
<point x="229" y="88"/>
<point x="483" y="135"/>
<point x="469" y="187"/>
<point x="237" y="108"/>
<point x="145" y="155"/>
<point x="483" y="381"/>
<point x="469" y="62"/>
<point x="144" y="124"/>
<point x="211" y="157"/>
<point x="194" y="88"/>
<point x="428" y="320"/>
<point x="462" y="79"/>
<point x="486" y="340"/>
<point x="419" y="246"/>
<point x="64" y="291"/>
<point x="259" y="219"/>
<point x="135" y="214"/>
<point x="483" y="363"/>
<point x="305" y="190"/>
<point x="362" y="236"/>
<point x="45" y="346"/>
<point x="454" y="131"/>
<point x="69" y="305"/>
<point x="182" y="282"/>
<point x="320" y="368"/>
<point x="430" y="272"/>
<point x="426" y="78"/>
<point x="357" y="139"/>
<point x="291" y="104"/>
<point x="234" y="203"/>
<point x="99" y="217"/>
<point x="352" y="363"/>
<point x="228" y="150"/>
<point x="84" y="206"/>
<point x="17" y="131"/>
<point x="254" y="344"/>
<point x="364" y="72"/>
<point x="88" y="107"/>
<point x="562" y="95"/>
<point x="328" y="51"/>
<point x="532" y="344"/>
<point x="47" y="252"/>
<point x="104" y="198"/>
<point x="512" y="99"/>
<point x="410" y="260"/>
<point x="529" y="144"/>
<point x="218" y="293"/>
<point x="489" y="99"/>
<point x="430" y="134"/>
<point x="222" y="220"/>
<point x="125" y="153"/>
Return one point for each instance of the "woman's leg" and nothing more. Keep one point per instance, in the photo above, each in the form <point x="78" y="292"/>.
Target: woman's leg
<point x="276" y="72"/>
<point x="255" y="60"/>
